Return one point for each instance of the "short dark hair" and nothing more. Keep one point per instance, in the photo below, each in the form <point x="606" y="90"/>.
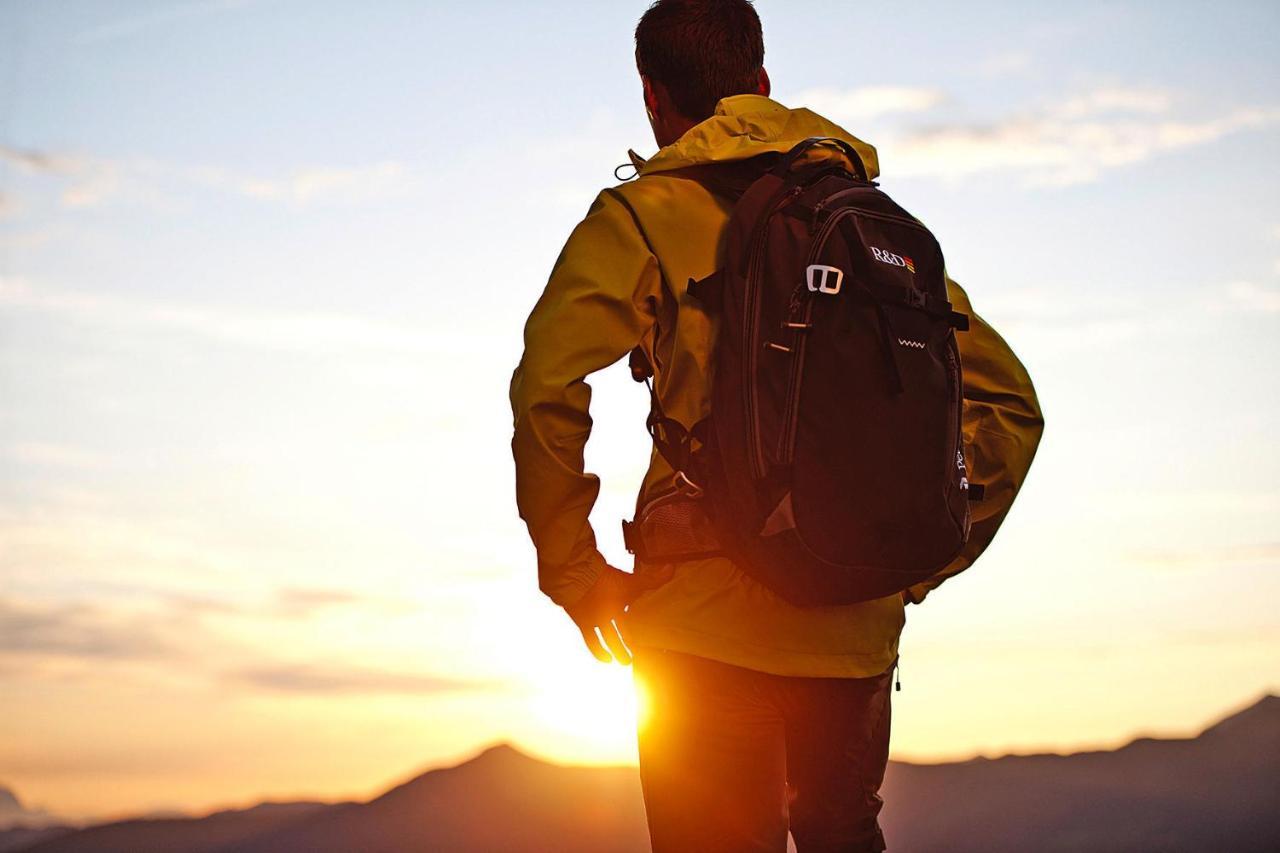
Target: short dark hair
<point x="701" y="51"/>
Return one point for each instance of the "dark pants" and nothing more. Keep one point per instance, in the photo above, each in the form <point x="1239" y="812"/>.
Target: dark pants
<point x="730" y="758"/>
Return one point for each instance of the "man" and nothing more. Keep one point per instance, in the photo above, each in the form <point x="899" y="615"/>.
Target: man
<point x="765" y="716"/>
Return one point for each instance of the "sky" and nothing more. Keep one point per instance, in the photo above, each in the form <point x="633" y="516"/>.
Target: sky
<point x="263" y="271"/>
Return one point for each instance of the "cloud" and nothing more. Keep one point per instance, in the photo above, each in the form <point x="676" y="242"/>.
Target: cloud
<point x="302" y="186"/>
<point x="1254" y="297"/>
<point x="1239" y="556"/>
<point x="171" y="635"/>
<point x="314" y="679"/>
<point x="84" y="180"/>
<point x="296" y="600"/>
<point x="288" y="603"/>
<point x="306" y="602"/>
<point x="1113" y="100"/>
<point x="1072" y="141"/>
<point x="866" y="102"/>
<point x="77" y="630"/>
<point x="41" y="162"/>
<point x="1043" y="320"/>
<point x="48" y="455"/>
<point x="270" y="330"/>
<point x="88" y="181"/>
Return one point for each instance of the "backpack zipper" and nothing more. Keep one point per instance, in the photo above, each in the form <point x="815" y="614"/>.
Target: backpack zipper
<point x="750" y="315"/>
<point x="786" y="438"/>
<point x="802" y="324"/>
<point x="956" y="452"/>
<point x="875" y="214"/>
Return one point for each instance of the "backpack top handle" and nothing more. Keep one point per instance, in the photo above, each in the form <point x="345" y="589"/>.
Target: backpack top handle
<point x="785" y="164"/>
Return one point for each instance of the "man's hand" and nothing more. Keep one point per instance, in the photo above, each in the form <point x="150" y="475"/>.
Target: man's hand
<point x="604" y="605"/>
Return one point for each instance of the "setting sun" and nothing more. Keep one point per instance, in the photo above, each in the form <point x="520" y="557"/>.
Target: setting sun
<point x="586" y="713"/>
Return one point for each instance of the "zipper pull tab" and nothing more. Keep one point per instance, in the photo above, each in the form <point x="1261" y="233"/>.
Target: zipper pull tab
<point x="897" y="677"/>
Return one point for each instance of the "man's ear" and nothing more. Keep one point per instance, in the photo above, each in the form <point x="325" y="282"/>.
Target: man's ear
<point x="650" y="97"/>
<point x="763" y="87"/>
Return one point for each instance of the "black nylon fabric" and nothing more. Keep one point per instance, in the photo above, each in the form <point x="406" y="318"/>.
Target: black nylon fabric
<point x="837" y="471"/>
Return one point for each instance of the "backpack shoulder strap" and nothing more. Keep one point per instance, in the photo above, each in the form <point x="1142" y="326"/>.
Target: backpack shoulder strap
<point x="730" y="179"/>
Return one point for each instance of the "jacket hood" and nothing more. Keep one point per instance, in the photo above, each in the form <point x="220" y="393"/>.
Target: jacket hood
<point x="744" y="126"/>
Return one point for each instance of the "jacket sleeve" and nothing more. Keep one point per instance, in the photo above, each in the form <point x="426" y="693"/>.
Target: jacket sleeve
<point x="1002" y="425"/>
<point x="597" y="305"/>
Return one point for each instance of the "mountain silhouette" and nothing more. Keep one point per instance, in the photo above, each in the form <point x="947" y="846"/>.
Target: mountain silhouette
<point x="1216" y="791"/>
<point x="15" y="812"/>
<point x="163" y="834"/>
<point x="21" y="825"/>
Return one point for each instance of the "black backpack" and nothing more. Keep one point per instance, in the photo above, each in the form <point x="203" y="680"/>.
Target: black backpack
<point x="831" y="467"/>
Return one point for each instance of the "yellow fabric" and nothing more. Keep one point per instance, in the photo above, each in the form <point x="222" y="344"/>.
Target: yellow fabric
<point x="606" y="294"/>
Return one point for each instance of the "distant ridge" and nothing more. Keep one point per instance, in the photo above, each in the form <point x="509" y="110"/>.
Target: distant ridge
<point x="15" y="812"/>
<point x="1215" y="792"/>
<point x="184" y="834"/>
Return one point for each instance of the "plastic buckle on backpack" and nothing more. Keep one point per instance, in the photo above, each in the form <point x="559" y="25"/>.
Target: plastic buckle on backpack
<point x="686" y="486"/>
<point x="631" y="536"/>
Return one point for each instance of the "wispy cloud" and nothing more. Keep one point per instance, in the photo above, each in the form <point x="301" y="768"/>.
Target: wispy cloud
<point x="1254" y="297"/>
<point x="1239" y="556"/>
<point x="279" y="331"/>
<point x="88" y="181"/>
<point x="1041" y="318"/>
<point x="46" y="454"/>
<point x="302" y="186"/>
<point x="174" y="633"/>
<point x="82" y="180"/>
<point x="285" y="603"/>
<point x="1113" y="99"/>
<point x="337" y="679"/>
<point x="1069" y="140"/>
<point x="304" y="601"/>
<point x="866" y="102"/>
<point x="1073" y="141"/>
<point x="77" y="630"/>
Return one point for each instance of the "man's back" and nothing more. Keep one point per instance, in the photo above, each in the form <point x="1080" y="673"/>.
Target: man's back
<point x="621" y="282"/>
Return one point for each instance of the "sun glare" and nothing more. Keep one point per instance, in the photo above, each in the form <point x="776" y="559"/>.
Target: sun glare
<point x="586" y="712"/>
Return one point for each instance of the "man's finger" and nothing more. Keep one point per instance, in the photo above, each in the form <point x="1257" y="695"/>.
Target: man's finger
<point x="620" y="621"/>
<point x="593" y="645"/>
<point x="615" y="644"/>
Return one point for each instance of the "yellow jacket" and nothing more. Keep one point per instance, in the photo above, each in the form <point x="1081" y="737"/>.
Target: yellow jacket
<point x="606" y="294"/>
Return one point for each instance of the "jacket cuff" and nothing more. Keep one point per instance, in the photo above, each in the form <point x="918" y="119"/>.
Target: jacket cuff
<point x="567" y="584"/>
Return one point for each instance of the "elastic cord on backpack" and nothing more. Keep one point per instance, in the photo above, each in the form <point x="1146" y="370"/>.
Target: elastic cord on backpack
<point x="673" y="440"/>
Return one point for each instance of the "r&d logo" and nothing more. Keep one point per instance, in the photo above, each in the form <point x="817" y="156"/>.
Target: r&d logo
<point x="884" y="256"/>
